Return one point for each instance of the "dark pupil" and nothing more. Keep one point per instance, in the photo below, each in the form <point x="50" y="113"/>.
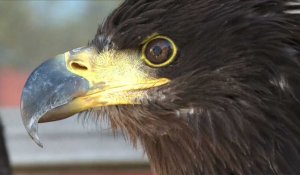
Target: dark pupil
<point x="159" y="51"/>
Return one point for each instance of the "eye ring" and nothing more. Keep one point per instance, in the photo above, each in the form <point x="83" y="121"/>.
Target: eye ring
<point x="154" y="45"/>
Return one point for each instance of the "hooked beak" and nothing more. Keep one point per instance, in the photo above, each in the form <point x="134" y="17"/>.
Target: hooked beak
<point x="80" y="80"/>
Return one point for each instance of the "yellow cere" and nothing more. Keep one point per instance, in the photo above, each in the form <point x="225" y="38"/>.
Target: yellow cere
<point x="115" y="77"/>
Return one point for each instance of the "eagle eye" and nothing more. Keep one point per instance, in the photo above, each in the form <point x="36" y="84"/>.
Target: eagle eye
<point x="159" y="51"/>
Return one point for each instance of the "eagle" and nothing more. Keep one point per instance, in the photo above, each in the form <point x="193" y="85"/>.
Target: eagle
<point x="204" y="86"/>
<point x="4" y="161"/>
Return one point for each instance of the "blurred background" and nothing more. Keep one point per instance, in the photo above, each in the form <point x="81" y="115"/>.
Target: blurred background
<point x="31" y="32"/>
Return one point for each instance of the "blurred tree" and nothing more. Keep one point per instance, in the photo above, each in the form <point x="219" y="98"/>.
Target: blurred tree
<point x="4" y="162"/>
<point x="32" y="31"/>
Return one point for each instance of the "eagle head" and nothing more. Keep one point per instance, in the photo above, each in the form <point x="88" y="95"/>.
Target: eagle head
<point x="206" y="87"/>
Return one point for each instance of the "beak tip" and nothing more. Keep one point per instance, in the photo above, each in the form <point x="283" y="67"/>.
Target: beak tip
<point x="32" y="130"/>
<point x="36" y="139"/>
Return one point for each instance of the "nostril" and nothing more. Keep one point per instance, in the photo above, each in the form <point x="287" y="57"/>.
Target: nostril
<point x="78" y="66"/>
